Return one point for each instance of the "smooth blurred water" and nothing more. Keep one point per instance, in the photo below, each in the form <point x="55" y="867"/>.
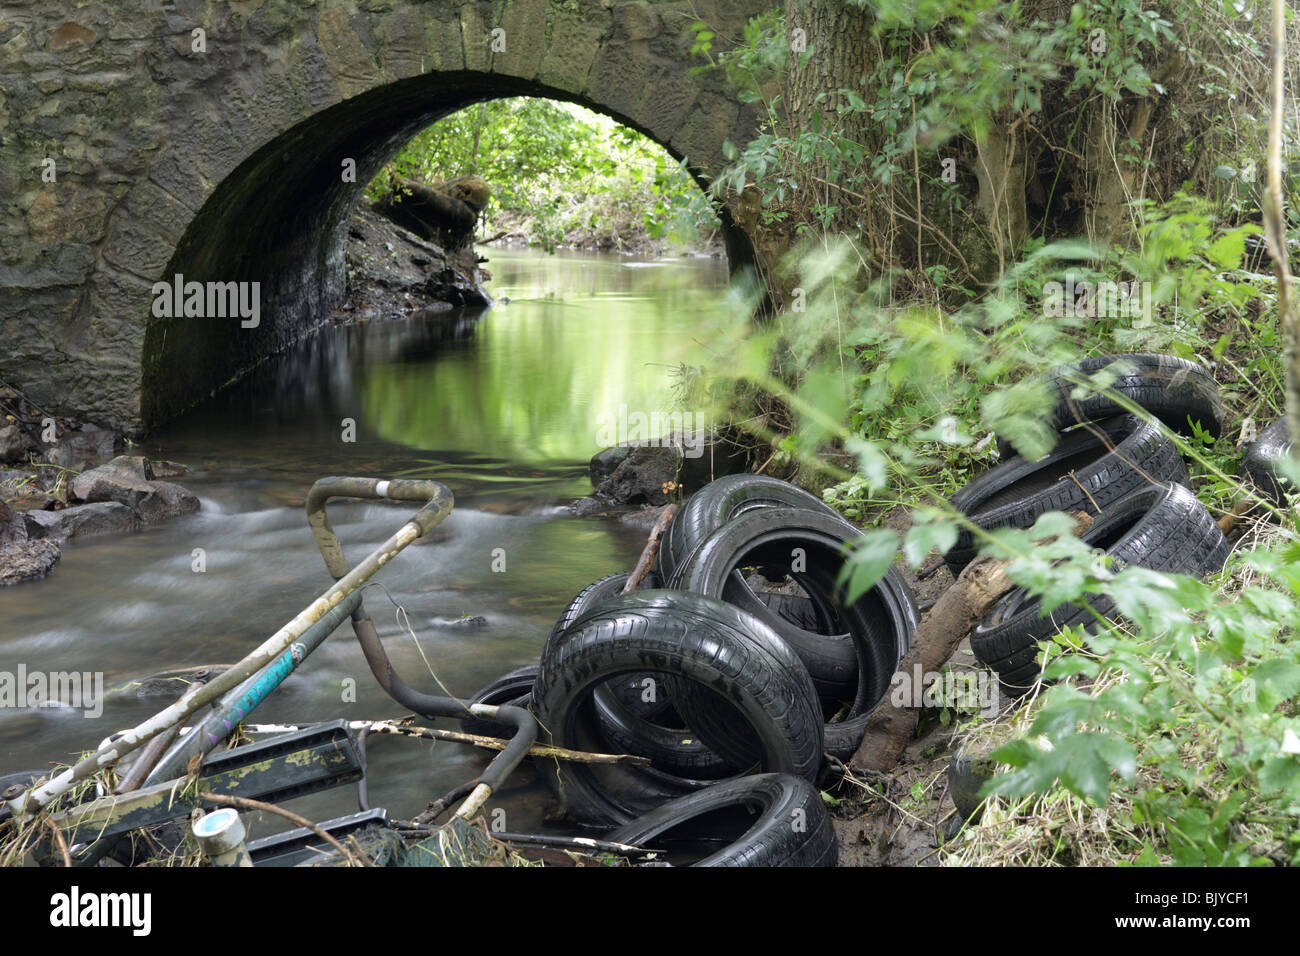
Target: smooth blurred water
<point x="503" y="408"/>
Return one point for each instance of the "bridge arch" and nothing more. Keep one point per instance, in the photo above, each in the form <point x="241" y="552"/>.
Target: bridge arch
<point x="226" y="163"/>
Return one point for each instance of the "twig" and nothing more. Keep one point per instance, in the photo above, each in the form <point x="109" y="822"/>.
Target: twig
<point x="59" y="839"/>
<point x="929" y="569"/>
<point x="1086" y="492"/>
<point x="497" y="743"/>
<point x="759" y="470"/>
<point x="244" y="803"/>
<point x="503" y="234"/>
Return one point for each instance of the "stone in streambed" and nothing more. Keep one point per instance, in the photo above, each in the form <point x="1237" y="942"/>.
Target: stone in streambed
<point x="173" y="683"/>
<point x="22" y="561"/>
<point x="168" y="500"/>
<point x="14" y="443"/>
<point x="130" y="480"/>
<point x="82" y="521"/>
<point x="126" y="479"/>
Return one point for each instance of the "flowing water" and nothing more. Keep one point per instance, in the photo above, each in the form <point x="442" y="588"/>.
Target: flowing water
<point x="503" y="408"/>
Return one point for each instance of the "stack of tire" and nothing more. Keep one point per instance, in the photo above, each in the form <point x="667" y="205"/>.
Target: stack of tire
<point x="735" y="673"/>
<point x="1114" y="467"/>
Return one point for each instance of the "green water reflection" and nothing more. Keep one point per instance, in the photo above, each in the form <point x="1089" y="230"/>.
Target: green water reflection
<point x="579" y="338"/>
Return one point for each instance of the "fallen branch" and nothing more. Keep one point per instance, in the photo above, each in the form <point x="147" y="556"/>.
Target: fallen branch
<point x="651" y="550"/>
<point x="891" y="727"/>
<point x="244" y="803"/>
<point x="497" y="743"/>
<point x="62" y="843"/>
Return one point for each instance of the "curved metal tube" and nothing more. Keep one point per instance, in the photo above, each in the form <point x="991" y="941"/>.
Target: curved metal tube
<point x="439" y="503"/>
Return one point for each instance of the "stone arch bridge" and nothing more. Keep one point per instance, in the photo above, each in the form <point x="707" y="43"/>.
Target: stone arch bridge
<point x="217" y="155"/>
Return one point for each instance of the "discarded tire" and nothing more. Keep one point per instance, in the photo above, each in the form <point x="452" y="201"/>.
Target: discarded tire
<point x="1089" y="469"/>
<point x="744" y="665"/>
<point x="514" y="689"/>
<point x="792" y="827"/>
<point x="1163" y="528"/>
<point x="854" y="667"/>
<point x="720" y="502"/>
<point x="1174" y="390"/>
<point x="799" y="610"/>
<point x="635" y="710"/>
<point x="966" y="777"/>
<point x="1260" y="461"/>
<point x="629" y="689"/>
<point x="640" y="717"/>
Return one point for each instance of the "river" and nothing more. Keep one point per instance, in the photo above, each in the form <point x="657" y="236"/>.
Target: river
<point x="504" y="409"/>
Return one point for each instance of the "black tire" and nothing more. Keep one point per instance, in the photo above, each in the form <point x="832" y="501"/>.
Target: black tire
<point x="721" y="501"/>
<point x="1161" y="528"/>
<point x="627" y="689"/>
<point x="792" y="827"/>
<point x="1259" y="463"/>
<point x="1018" y="492"/>
<point x="628" y="721"/>
<point x="803" y="612"/>
<point x="697" y="640"/>
<point x="854" y="667"/>
<point x="966" y="777"/>
<point x="662" y="736"/>
<point x="514" y="689"/>
<point x="1173" y="389"/>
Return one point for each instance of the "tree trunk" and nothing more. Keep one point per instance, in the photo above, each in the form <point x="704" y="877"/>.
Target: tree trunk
<point x="830" y="51"/>
<point x="1001" y="174"/>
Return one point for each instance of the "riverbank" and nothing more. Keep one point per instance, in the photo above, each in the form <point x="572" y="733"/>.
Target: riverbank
<point x="61" y="479"/>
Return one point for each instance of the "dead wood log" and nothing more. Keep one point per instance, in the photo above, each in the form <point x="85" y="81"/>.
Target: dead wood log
<point x="650" y="551"/>
<point x="891" y="726"/>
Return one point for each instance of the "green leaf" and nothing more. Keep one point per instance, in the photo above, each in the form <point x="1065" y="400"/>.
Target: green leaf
<point x="1227" y="251"/>
<point x="923" y="538"/>
<point x="868" y="562"/>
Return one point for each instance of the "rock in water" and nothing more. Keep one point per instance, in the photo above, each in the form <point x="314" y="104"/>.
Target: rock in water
<point x="171" y="683"/>
<point x="126" y="479"/>
<point x="82" y="521"/>
<point x="167" y="500"/>
<point x="26" y="561"/>
<point x="130" y="480"/>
